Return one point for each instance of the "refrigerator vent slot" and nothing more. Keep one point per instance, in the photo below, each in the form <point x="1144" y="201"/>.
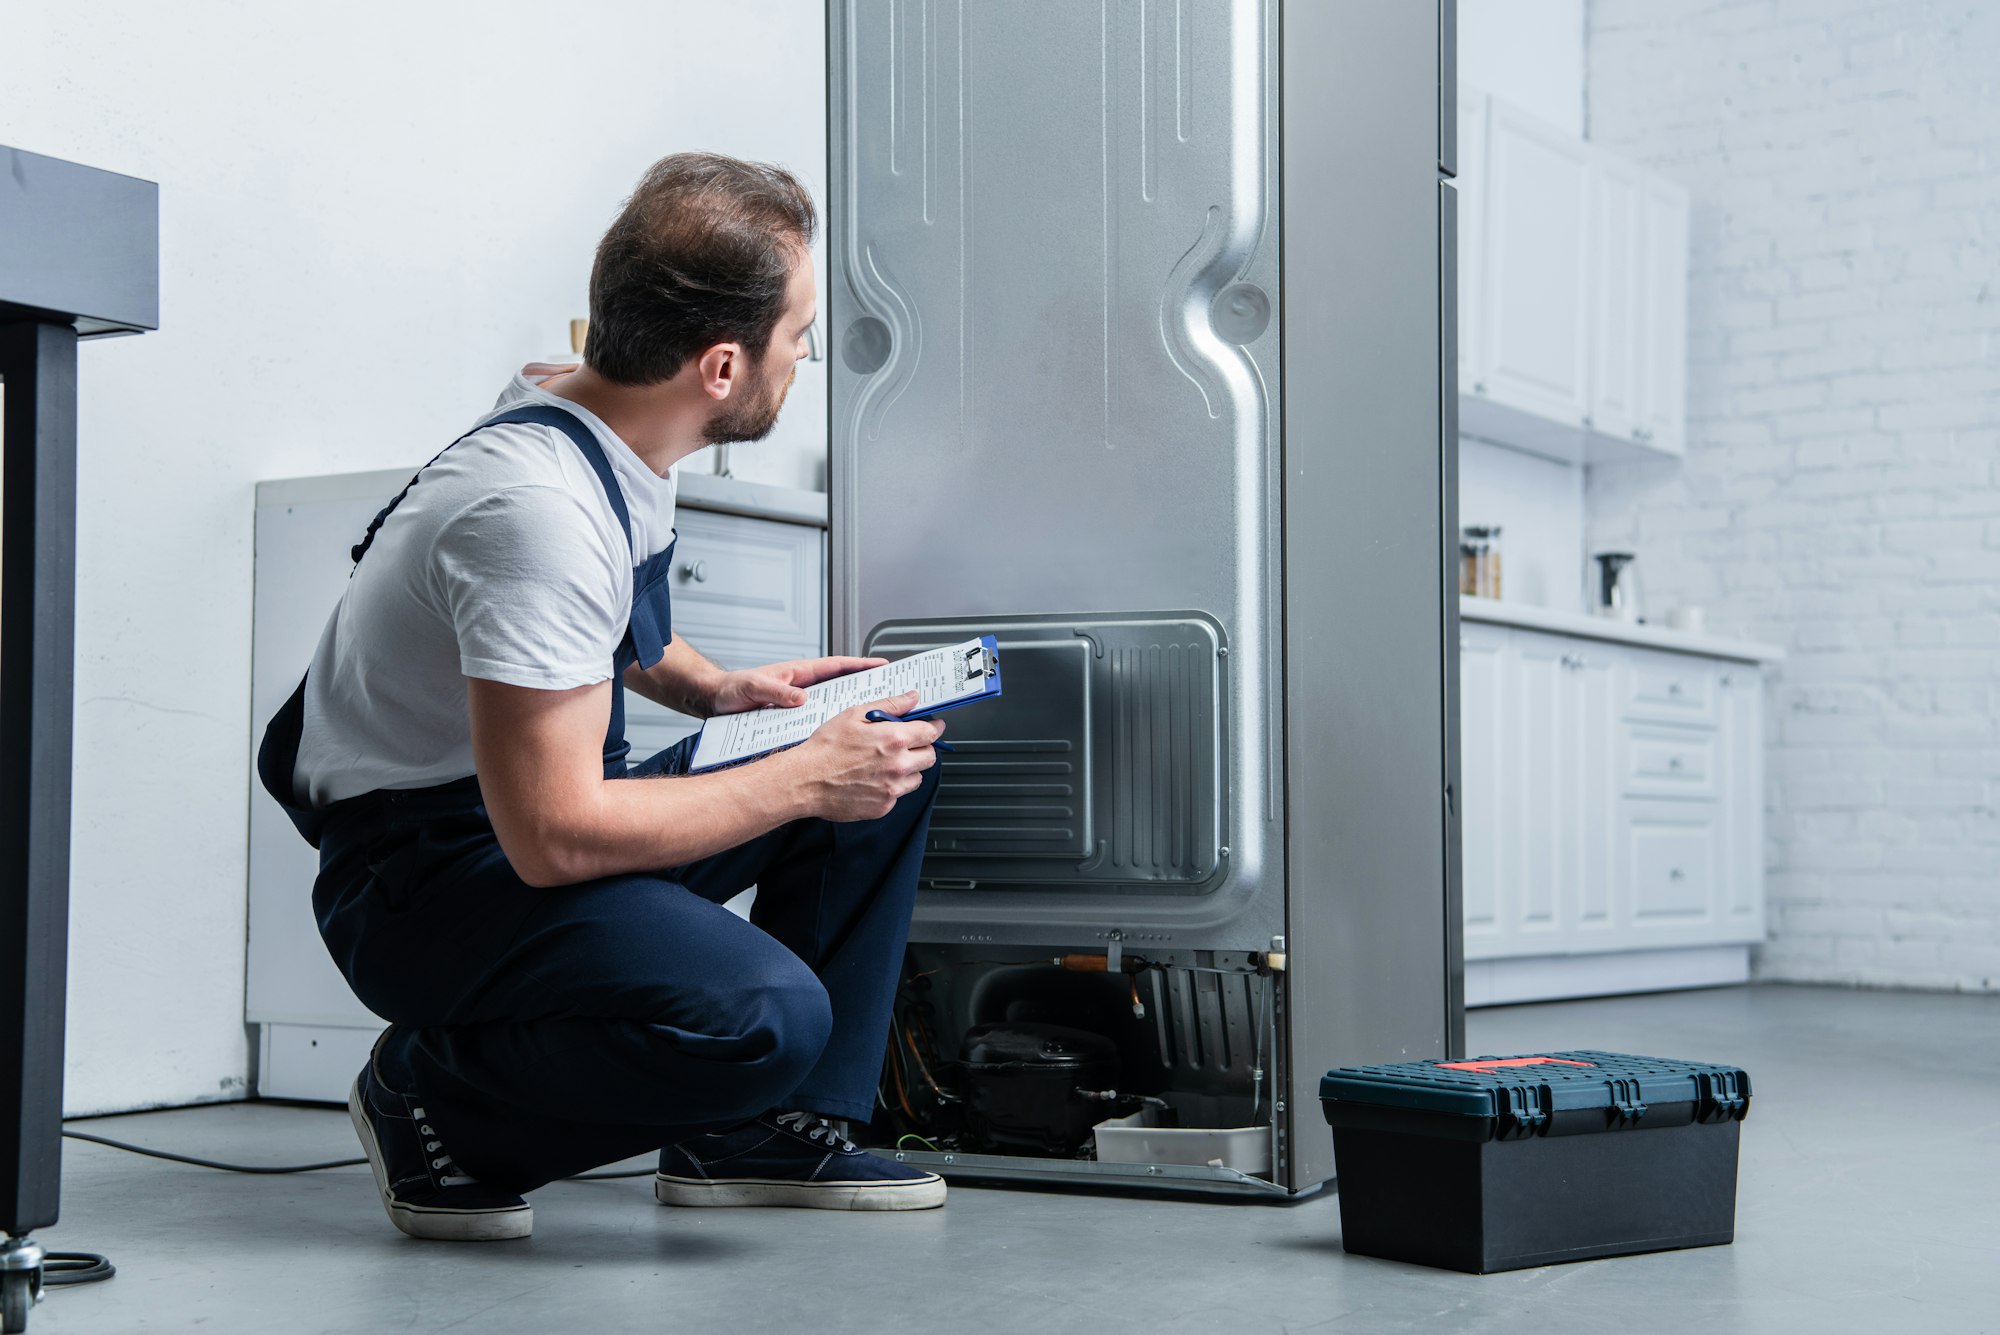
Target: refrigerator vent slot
<point x="1017" y="797"/>
<point x="1155" y="759"/>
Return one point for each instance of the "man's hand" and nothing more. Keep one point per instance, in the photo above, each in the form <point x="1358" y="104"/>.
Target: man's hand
<point x="852" y="769"/>
<point x="780" y="684"/>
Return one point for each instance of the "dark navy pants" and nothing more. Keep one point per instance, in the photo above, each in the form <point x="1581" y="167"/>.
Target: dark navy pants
<point x="549" y="1031"/>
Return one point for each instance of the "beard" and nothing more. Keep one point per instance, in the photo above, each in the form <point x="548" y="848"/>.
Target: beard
<point x="750" y="420"/>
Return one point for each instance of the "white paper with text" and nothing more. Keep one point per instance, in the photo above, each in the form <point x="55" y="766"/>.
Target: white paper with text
<point x="938" y="676"/>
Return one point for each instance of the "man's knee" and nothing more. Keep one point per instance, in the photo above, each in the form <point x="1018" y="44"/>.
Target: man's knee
<point x="790" y="1019"/>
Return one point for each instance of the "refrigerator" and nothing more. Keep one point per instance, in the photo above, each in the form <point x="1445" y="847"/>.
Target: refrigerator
<point x="1142" y="336"/>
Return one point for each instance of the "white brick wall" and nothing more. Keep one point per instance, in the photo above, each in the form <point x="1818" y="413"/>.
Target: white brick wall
<point x="1841" y="492"/>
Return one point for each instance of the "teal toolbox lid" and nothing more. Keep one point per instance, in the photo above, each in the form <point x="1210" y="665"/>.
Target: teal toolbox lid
<point x="1525" y="1093"/>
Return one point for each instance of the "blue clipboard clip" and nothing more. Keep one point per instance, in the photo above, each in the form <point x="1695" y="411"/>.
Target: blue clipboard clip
<point x="980" y="663"/>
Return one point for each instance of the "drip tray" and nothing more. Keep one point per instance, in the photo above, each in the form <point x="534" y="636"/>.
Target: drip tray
<point x="1141" y="1139"/>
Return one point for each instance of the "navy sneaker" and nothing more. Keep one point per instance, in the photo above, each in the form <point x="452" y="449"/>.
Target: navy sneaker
<point x="793" y="1158"/>
<point x="425" y="1193"/>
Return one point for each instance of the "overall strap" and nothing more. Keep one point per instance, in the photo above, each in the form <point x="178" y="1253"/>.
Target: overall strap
<point x="541" y="414"/>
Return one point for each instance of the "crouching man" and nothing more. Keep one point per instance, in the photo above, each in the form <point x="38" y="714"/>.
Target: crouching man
<point x="541" y="923"/>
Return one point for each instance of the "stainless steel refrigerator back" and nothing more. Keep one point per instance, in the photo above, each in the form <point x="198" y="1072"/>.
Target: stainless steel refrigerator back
<point x="1056" y="239"/>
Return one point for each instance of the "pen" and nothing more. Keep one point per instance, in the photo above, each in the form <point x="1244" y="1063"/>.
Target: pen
<point x="877" y="716"/>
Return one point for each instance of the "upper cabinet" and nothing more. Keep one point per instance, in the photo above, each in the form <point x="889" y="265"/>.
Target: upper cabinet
<point x="1664" y="315"/>
<point x="1572" y="292"/>
<point x="1537" y="238"/>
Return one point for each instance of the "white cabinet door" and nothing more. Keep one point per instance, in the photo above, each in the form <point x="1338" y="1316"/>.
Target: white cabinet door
<point x="1663" y="368"/>
<point x="1471" y="185"/>
<point x="1740" y="774"/>
<point x="1532" y="347"/>
<point x="1673" y="870"/>
<point x="1590" y="756"/>
<point x="1558" y="888"/>
<point x="1618" y="285"/>
<point x="1485" y="796"/>
<point x="1542" y="835"/>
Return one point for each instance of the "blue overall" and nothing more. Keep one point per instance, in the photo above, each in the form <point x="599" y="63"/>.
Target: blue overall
<point x="549" y="1031"/>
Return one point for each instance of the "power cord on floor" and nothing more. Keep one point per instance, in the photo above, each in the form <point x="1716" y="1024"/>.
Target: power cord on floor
<point x="76" y="1268"/>
<point x="280" y="1169"/>
<point x="60" y="1268"/>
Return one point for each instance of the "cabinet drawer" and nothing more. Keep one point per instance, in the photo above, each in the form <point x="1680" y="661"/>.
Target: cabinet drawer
<point x="1669" y="762"/>
<point x="1671" y="687"/>
<point x="746" y="576"/>
<point x="1673" y="849"/>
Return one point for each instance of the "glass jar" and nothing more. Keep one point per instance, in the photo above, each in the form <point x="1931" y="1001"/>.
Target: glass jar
<point x="1479" y="561"/>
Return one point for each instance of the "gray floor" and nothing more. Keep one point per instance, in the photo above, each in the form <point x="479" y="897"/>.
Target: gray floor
<point x="1869" y="1196"/>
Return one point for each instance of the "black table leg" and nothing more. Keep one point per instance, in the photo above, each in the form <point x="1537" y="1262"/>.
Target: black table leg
<point x="37" y="638"/>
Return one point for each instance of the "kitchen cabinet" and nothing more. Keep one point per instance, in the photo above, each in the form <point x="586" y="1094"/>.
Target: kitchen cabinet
<point x="1612" y="805"/>
<point x="1572" y="292"/>
<point x="1618" y="346"/>
<point x="1471" y="186"/>
<point x="1534" y="316"/>
<point x="749" y="587"/>
<point x="1663" y="316"/>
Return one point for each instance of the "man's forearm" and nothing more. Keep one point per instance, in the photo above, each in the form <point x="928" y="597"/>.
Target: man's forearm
<point x="646" y="824"/>
<point x="682" y="680"/>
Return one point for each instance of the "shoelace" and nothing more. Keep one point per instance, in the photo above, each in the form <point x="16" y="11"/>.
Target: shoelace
<point x="449" y="1173"/>
<point x="812" y="1126"/>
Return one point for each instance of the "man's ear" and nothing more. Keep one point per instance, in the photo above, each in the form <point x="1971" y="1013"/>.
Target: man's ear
<point x="720" y="367"/>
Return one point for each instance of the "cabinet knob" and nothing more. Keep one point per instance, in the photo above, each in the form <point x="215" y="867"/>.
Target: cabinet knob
<point x="1674" y="689"/>
<point x="1676" y="874"/>
<point x="1673" y="762"/>
<point x="696" y="571"/>
<point x="1479" y="387"/>
<point x="1728" y="680"/>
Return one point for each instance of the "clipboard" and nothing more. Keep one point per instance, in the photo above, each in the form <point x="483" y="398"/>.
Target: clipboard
<point x="946" y="678"/>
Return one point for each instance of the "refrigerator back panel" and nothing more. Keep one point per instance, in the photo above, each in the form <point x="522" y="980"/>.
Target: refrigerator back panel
<point x="1054" y="286"/>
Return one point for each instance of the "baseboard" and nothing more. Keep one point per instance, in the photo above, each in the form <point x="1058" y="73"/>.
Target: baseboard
<point x="1558" y="977"/>
<point x="311" y="1061"/>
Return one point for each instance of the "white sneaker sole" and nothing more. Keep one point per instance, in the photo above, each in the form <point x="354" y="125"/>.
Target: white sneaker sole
<point x="923" y="1194"/>
<point x="516" y="1221"/>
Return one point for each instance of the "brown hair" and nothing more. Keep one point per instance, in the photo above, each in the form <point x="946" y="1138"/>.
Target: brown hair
<point x="699" y="255"/>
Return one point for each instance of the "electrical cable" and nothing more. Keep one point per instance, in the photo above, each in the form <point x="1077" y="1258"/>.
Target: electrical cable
<point x="277" y="1169"/>
<point x="273" y="1169"/>
<point x="62" y="1268"/>
<point x="76" y="1268"/>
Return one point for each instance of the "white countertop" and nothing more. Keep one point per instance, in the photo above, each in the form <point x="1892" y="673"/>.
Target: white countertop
<point x="758" y="500"/>
<point x="698" y="491"/>
<point x="1597" y="628"/>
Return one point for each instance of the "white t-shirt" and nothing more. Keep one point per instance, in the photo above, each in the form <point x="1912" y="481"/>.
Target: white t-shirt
<point x="505" y="562"/>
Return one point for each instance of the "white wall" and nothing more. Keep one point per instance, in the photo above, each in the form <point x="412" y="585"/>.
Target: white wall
<point x="1539" y="505"/>
<point x="370" y="213"/>
<point x="1527" y="52"/>
<point x="1841" y="493"/>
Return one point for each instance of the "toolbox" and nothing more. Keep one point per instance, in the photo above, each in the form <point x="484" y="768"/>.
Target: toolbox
<point x="1497" y="1163"/>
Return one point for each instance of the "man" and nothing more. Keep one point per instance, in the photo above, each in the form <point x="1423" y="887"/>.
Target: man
<point x="542" y="925"/>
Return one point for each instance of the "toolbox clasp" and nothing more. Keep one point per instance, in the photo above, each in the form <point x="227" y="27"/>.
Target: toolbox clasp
<point x="1522" y="1111"/>
<point x="1721" y="1096"/>
<point x="1628" y="1102"/>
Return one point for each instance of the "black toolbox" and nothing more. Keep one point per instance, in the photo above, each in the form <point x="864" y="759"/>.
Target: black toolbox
<point x="1497" y="1163"/>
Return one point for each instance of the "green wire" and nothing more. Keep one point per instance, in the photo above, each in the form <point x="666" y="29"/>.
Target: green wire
<point x="919" y="1139"/>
